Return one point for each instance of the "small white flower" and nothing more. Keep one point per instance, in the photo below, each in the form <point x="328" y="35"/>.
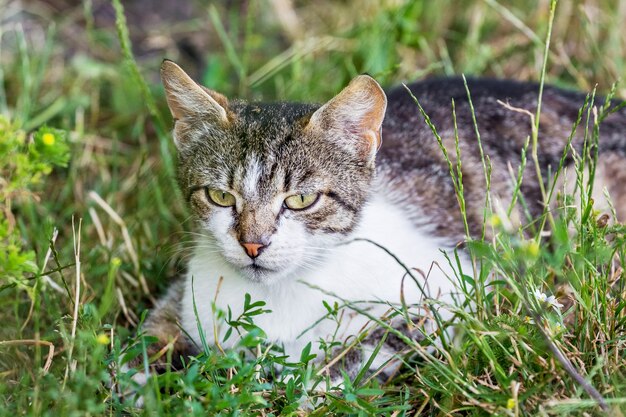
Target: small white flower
<point x="554" y="302"/>
<point x="550" y="301"/>
<point x="541" y="296"/>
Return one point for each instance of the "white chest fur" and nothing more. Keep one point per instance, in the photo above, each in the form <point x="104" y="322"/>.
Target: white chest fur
<point x="356" y="271"/>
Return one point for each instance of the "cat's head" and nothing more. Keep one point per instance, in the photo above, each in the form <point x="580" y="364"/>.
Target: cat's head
<point x="276" y="185"/>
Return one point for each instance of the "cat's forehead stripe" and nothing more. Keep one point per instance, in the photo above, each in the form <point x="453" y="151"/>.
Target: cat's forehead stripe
<point x="252" y="177"/>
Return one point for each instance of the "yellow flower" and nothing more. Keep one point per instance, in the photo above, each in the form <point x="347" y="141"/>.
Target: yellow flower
<point x="103" y="339"/>
<point x="495" y="220"/>
<point x="48" y="139"/>
<point x="510" y="404"/>
<point x="531" y="248"/>
<point x="115" y="261"/>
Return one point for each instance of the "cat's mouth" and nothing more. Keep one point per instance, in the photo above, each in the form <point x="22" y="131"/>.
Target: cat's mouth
<point x="259" y="268"/>
<point x="256" y="272"/>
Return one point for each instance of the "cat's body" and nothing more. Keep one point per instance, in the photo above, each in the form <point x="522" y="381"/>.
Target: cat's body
<point x="253" y="159"/>
<point x="503" y="111"/>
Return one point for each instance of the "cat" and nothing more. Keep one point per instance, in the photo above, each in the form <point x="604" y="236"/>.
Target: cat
<point x="296" y="203"/>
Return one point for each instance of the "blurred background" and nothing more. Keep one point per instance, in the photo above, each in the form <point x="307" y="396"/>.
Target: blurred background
<point x="277" y="48"/>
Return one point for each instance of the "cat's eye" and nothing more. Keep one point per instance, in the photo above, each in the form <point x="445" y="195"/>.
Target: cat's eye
<point x="221" y="197"/>
<point x="301" y="201"/>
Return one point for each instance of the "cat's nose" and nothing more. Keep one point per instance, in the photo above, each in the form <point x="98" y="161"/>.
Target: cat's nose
<point x="253" y="249"/>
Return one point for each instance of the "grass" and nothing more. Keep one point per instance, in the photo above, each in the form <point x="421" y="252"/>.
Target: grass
<point x="71" y="299"/>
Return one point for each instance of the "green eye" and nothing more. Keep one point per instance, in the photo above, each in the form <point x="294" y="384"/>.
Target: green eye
<point x="221" y="197"/>
<point x="301" y="201"/>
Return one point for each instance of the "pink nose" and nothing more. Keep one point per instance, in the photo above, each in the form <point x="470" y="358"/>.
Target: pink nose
<point x="252" y="249"/>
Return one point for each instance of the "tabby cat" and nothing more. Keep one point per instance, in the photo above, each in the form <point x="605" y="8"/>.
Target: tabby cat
<point x="300" y="203"/>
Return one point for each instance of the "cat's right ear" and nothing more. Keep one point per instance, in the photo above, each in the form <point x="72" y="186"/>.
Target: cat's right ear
<point x="354" y="117"/>
<point x="189" y="101"/>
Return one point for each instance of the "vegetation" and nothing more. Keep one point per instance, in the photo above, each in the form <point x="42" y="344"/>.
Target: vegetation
<point x="92" y="227"/>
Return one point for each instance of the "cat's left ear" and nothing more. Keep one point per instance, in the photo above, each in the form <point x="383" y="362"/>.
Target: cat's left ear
<point x="355" y="114"/>
<point x="188" y="100"/>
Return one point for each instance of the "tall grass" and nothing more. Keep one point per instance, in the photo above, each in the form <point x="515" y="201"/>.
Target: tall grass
<point x="122" y="228"/>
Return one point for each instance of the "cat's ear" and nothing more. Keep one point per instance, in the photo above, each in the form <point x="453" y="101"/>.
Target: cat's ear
<point x="356" y="113"/>
<point x="188" y="100"/>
